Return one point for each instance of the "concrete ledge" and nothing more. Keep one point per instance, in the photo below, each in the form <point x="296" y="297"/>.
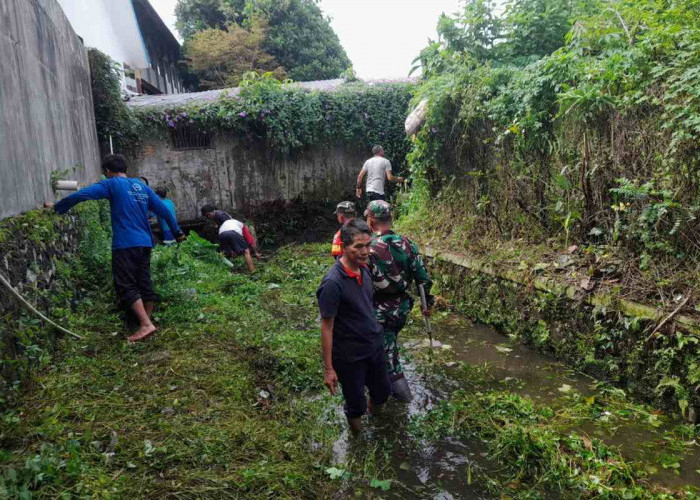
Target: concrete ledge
<point x="601" y="299"/>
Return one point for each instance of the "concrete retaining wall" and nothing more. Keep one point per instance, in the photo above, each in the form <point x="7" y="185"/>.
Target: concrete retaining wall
<point x="234" y="174"/>
<point x="598" y="333"/>
<point x="46" y="115"/>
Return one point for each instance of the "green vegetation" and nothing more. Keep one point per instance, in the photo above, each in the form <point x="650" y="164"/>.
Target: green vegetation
<point x="225" y="398"/>
<point x="565" y="123"/>
<point x="595" y="340"/>
<point x="290" y="119"/>
<point x="539" y="452"/>
<point x="296" y="37"/>
<point x="33" y="245"/>
<point x="220" y="58"/>
<point x="112" y="116"/>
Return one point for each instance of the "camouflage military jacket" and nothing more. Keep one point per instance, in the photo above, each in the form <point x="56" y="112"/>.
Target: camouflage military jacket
<point x="395" y="265"/>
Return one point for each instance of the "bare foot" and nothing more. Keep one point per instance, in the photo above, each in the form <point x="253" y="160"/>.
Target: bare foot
<point x="142" y="333"/>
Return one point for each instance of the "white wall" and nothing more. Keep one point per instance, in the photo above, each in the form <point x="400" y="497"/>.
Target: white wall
<point x="109" y="26"/>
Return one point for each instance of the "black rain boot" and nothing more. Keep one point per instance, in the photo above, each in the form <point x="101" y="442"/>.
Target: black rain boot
<point x="401" y="391"/>
<point x="355" y="425"/>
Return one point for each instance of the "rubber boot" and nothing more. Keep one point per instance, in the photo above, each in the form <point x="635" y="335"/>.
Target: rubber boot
<point x="401" y="391"/>
<point x="355" y="425"/>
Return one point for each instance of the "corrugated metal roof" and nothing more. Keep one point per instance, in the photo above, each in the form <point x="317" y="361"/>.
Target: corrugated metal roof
<point x="175" y="100"/>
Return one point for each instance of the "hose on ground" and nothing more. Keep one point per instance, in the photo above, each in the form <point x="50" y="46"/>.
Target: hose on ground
<point x="34" y="310"/>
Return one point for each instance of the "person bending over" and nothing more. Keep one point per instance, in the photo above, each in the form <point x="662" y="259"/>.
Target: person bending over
<point x="220" y="217"/>
<point x="352" y="341"/>
<point x="236" y="239"/>
<point x="168" y="236"/>
<point x="129" y="201"/>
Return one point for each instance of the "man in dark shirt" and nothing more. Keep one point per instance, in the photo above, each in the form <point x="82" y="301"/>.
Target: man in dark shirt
<point x="351" y="338"/>
<point x="218" y="216"/>
<point x="130" y="200"/>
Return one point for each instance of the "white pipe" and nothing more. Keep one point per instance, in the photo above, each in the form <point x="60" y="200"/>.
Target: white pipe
<point x="66" y="185"/>
<point x="111" y="147"/>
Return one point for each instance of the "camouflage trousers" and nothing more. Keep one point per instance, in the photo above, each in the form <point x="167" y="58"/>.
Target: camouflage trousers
<point x="391" y="348"/>
<point x="392" y="315"/>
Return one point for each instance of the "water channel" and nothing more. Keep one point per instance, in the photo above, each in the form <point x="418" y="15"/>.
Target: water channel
<point x="446" y="469"/>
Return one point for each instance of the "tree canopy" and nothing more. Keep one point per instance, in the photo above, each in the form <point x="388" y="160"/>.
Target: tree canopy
<point x="297" y="35"/>
<point x="221" y="57"/>
<point x="526" y="31"/>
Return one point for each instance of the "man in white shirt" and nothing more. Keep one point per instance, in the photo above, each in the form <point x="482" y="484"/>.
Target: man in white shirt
<point x="377" y="169"/>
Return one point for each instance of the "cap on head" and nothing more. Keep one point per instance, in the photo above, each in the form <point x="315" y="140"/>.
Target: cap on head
<point x="379" y="209"/>
<point x="345" y="207"/>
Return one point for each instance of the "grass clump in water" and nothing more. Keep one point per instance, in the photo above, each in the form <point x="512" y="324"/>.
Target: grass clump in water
<point x="536" y="458"/>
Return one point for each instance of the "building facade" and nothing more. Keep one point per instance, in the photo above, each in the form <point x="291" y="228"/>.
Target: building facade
<point x="132" y="33"/>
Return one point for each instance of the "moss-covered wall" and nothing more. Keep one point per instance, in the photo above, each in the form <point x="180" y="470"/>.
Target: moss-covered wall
<point x="597" y="340"/>
<point x="44" y="256"/>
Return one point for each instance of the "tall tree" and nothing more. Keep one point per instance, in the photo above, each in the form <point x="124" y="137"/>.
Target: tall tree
<point x="198" y="15"/>
<point x="220" y="57"/>
<point x="298" y="36"/>
<point x="301" y="39"/>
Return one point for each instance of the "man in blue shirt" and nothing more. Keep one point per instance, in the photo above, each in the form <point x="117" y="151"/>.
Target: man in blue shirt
<point x="352" y="340"/>
<point x="129" y="201"/>
<point x="168" y="236"/>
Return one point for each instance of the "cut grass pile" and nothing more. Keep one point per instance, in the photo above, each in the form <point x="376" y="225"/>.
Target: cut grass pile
<point x="222" y="401"/>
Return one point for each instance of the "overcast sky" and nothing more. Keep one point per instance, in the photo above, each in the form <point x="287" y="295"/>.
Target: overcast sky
<point x="381" y="37"/>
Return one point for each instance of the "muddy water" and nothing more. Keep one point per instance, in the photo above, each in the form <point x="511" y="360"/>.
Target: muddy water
<point x="447" y="469"/>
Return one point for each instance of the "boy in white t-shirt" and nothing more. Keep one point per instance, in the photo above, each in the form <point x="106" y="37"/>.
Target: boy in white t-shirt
<point x="235" y="237"/>
<point x="377" y="169"/>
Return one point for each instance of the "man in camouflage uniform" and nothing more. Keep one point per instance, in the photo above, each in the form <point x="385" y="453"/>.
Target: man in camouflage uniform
<point x="395" y="264"/>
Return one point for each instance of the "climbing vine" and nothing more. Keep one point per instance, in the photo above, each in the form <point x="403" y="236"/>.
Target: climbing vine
<point x="290" y="119"/>
<point x="112" y="116"/>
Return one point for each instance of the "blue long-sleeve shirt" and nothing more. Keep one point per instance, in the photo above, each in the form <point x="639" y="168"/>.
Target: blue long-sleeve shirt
<point x="161" y="221"/>
<point x="129" y="201"/>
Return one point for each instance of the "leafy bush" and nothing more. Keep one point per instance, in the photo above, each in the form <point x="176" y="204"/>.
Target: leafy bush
<point x="535" y="135"/>
<point x="221" y="57"/>
<point x="112" y="116"/>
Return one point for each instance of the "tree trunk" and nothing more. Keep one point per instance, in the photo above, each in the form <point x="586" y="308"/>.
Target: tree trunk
<point x="586" y="188"/>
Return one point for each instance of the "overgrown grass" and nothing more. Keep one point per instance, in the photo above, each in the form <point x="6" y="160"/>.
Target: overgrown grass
<point x="222" y="401"/>
<point x="226" y="400"/>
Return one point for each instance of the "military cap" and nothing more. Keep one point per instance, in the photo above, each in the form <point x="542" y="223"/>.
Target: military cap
<point x="345" y="207"/>
<point x="379" y="209"/>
